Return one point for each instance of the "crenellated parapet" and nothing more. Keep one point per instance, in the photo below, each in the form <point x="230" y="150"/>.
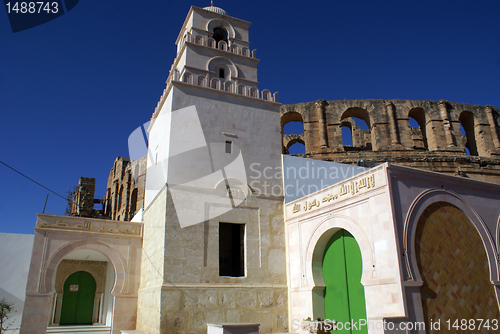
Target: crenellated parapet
<point x="436" y="135"/>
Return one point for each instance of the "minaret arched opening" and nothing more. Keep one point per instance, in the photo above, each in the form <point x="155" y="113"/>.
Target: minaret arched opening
<point x="220" y="34"/>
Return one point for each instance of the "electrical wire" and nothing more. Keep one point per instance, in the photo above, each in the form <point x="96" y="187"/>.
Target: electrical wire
<point x="41" y="185"/>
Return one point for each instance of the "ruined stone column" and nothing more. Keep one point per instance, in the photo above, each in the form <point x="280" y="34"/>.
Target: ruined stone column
<point x="391" y="112"/>
<point x="446" y="122"/>
<point x="320" y="111"/>
<point x="493" y="127"/>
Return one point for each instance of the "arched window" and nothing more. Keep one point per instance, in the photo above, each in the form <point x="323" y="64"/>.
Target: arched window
<point x="215" y="83"/>
<point x="464" y="136"/>
<point x="254" y="92"/>
<point x="292" y="123"/>
<point x="228" y="86"/>
<point x="346" y="129"/>
<point x="355" y="134"/>
<point x="416" y="117"/>
<point x="133" y="203"/>
<point x="188" y="78"/>
<point x="297" y="148"/>
<point x="357" y="121"/>
<point x="220" y="34"/>
<point x="266" y="95"/>
<point x="202" y="81"/>
<point x="119" y="206"/>
<point x="467" y="122"/>
<point x="292" y="128"/>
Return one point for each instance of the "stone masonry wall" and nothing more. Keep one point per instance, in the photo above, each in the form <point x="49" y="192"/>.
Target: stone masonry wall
<point x="192" y="293"/>
<point x="437" y="144"/>
<point x="125" y="189"/>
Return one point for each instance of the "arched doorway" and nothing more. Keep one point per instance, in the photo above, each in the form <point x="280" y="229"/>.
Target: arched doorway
<point x="342" y="270"/>
<point x="78" y="299"/>
<point x="454" y="267"/>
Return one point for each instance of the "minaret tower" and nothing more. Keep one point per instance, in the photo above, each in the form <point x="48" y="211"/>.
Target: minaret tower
<point x="213" y="209"/>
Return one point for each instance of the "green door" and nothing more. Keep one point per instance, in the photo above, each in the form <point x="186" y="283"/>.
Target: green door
<point x="78" y="299"/>
<point x="344" y="293"/>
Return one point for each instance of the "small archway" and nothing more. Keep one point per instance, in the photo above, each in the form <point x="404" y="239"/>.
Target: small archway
<point x="454" y="267"/>
<point x="69" y="235"/>
<point x="98" y="266"/>
<point x="314" y="256"/>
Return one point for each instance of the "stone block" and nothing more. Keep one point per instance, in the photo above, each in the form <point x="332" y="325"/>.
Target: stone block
<point x="246" y="299"/>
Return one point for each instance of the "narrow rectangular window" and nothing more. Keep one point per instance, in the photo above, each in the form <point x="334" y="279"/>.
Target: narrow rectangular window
<point x="229" y="146"/>
<point x="231" y="250"/>
<point x="221" y="73"/>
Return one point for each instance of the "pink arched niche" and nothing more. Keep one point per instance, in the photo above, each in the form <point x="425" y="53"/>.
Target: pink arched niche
<point x="49" y="273"/>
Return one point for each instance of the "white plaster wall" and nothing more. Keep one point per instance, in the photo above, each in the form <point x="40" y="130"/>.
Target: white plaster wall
<point x="367" y="215"/>
<point x="157" y="165"/>
<point x="15" y="257"/>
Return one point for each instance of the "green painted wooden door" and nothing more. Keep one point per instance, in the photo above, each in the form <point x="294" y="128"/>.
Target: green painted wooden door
<point x="78" y="299"/>
<point x="344" y="293"/>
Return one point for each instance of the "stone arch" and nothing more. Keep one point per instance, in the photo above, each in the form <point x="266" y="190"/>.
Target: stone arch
<point x="313" y="257"/>
<point x="421" y="117"/>
<point x="253" y="92"/>
<point x="200" y="40"/>
<point x="235" y="49"/>
<point x="219" y="23"/>
<point x="229" y="86"/>
<point x="416" y="209"/>
<point x="360" y="113"/>
<point x="238" y="190"/>
<point x="348" y="123"/>
<point x="215" y="83"/>
<point x="211" y="42"/>
<point x="366" y="117"/>
<point x="222" y="45"/>
<point x="187" y="78"/>
<point x="245" y="52"/>
<point x="241" y="89"/>
<point x="266" y="95"/>
<point x="218" y="62"/>
<point x="293" y="140"/>
<point x="469" y="122"/>
<point x="202" y="81"/>
<point x="50" y="269"/>
<point x="291" y="116"/>
<point x="452" y="266"/>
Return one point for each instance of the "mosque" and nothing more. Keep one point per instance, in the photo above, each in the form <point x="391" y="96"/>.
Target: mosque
<point x="217" y="229"/>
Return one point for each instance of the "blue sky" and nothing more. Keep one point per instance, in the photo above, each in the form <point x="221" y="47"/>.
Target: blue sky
<point x="73" y="89"/>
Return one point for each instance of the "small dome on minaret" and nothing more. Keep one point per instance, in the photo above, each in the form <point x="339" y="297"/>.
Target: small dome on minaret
<point x="214" y="9"/>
